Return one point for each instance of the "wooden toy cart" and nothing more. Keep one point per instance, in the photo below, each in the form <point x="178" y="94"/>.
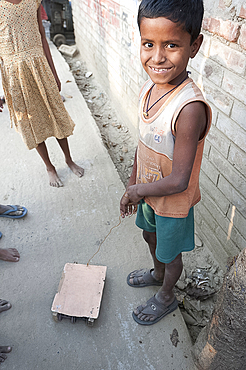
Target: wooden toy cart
<point x="79" y="293"/>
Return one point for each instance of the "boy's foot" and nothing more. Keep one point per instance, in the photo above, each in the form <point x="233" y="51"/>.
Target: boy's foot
<point x="4" y="305"/>
<point x="3" y="350"/>
<point x="77" y="170"/>
<point x="54" y="179"/>
<point x="9" y="254"/>
<point x="11" y="211"/>
<point x="153" y="311"/>
<point x="141" y="278"/>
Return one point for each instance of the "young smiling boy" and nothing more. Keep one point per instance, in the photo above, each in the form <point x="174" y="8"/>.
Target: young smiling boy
<point x="174" y="119"/>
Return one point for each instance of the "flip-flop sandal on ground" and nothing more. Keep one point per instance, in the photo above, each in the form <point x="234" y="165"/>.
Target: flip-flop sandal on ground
<point x="147" y="277"/>
<point x="4" y="305"/>
<point x="155" y="308"/>
<point x="14" y="209"/>
<point x="5" y="349"/>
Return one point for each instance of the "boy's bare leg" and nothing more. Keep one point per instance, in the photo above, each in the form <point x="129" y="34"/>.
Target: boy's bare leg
<point x="165" y="294"/>
<point x="159" y="268"/>
<point x="54" y="179"/>
<point x="3" y="350"/>
<point x="77" y="170"/>
<point x="173" y="271"/>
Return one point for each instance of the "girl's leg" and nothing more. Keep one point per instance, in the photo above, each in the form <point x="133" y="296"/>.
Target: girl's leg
<point x="77" y="170"/>
<point x="54" y="179"/>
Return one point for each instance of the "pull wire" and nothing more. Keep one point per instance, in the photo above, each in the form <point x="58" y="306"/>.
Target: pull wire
<point x="120" y="220"/>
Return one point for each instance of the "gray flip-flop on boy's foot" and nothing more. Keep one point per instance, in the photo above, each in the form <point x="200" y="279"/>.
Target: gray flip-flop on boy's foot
<point x="4" y="305"/>
<point x="154" y="308"/>
<point x="147" y="277"/>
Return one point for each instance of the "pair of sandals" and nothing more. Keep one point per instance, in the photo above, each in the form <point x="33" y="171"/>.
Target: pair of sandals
<point x="153" y="307"/>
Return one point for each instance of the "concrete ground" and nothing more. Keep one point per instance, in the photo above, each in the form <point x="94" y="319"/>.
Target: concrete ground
<point x="66" y="225"/>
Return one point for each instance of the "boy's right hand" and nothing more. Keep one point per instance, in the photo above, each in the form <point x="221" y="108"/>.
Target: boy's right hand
<point x="126" y="206"/>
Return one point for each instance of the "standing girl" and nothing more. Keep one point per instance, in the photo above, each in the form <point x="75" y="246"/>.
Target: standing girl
<point x="30" y="82"/>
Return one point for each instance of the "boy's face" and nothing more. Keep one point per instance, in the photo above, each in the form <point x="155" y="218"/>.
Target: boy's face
<point x="165" y="50"/>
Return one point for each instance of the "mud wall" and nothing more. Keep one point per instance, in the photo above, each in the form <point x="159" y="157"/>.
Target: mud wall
<point x="108" y="39"/>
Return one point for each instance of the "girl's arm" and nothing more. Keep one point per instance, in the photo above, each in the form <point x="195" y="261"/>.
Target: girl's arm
<point x="47" y="49"/>
<point x="191" y="125"/>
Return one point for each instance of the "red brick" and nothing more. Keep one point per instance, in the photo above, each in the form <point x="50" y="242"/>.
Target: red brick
<point x="206" y="23"/>
<point x="242" y="38"/>
<point x="227" y="29"/>
<point x="222" y="4"/>
<point x="242" y="13"/>
<point x="214" y="26"/>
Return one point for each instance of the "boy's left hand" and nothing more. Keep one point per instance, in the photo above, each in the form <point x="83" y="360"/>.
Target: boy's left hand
<point x="129" y="201"/>
<point x="133" y="194"/>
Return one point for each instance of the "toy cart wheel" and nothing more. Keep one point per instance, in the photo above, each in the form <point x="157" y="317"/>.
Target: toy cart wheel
<point x="54" y="315"/>
<point x="73" y="319"/>
<point x="59" y="39"/>
<point x="90" y="322"/>
<point x="59" y="317"/>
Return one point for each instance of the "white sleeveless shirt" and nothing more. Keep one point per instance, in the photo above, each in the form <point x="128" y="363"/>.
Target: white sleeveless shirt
<point x="156" y="147"/>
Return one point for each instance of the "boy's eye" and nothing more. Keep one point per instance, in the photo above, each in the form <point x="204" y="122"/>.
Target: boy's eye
<point x="171" y="46"/>
<point x="148" y="45"/>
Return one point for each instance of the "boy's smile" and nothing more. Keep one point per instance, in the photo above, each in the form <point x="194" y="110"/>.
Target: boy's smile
<point x="165" y="50"/>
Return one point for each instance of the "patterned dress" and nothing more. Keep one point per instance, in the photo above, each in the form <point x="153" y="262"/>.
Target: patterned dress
<point x="30" y="89"/>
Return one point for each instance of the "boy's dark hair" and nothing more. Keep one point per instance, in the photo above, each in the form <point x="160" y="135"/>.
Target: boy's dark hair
<point x="188" y="13"/>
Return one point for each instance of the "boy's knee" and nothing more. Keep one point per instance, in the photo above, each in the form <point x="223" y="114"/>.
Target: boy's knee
<point x="150" y="238"/>
<point x="177" y="260"/>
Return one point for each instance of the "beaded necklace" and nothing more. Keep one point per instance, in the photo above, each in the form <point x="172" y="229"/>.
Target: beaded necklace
<point x="168" y="92"/>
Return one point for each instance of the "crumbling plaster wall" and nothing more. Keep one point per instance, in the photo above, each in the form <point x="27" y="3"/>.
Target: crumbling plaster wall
<point x="108" y="39"/>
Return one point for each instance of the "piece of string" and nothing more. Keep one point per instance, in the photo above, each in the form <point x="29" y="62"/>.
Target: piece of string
<point x="120" y="220"/>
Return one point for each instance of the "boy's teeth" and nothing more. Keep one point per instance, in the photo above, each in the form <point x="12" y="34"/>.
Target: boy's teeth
<point x="159" y="69"/>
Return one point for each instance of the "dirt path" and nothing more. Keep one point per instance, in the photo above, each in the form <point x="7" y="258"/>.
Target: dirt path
<point x="115" y="136"/>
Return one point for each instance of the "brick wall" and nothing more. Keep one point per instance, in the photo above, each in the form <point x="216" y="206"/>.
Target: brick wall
<point x="108" y="39"/>
<point x="219" y="70"/>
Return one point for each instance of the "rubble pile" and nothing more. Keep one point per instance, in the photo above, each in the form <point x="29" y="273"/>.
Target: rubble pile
<point x="196" y="292"/>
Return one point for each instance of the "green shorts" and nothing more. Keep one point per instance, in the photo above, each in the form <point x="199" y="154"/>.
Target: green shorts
<point x="174" y="235"/>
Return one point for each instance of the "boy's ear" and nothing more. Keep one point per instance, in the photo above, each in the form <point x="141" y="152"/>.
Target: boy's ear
<point x="196" y="45"/>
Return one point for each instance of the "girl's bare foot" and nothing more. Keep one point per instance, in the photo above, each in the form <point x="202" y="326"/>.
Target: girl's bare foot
<point x="54" y="179"/>
<point x="77" y="170"/>
<point x="9" y="254"/>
